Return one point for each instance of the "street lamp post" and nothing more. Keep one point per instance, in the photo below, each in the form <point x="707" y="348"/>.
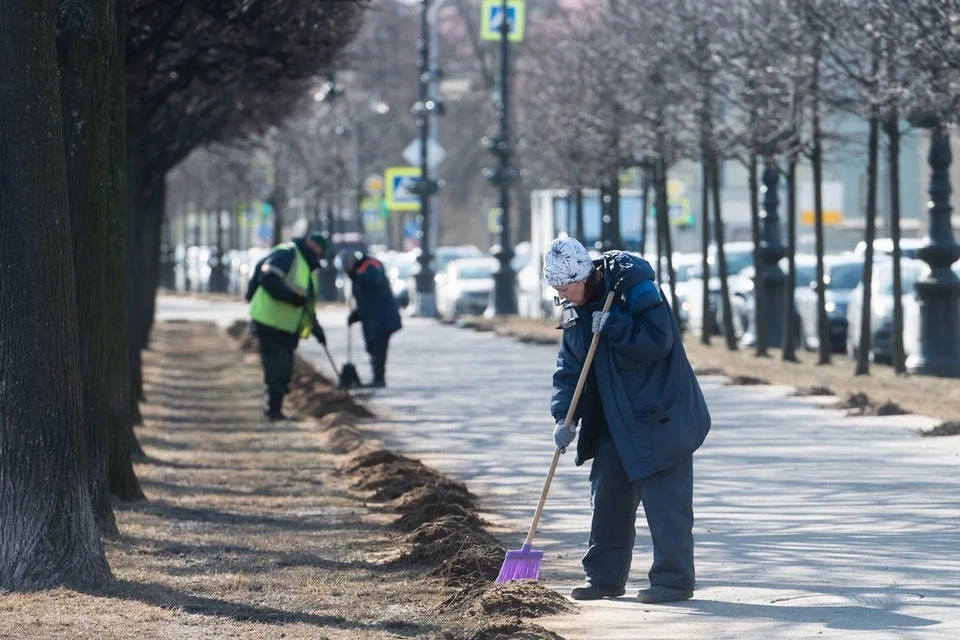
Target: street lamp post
<point x="771" y="276"/>
<point x="425" y="187"/>
<point x="505" y="298"/>
<point x="938" y="351"/>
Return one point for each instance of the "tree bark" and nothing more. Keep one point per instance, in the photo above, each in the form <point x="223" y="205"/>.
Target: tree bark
<point x="91" y="46"/>
<point x="48" y="532"/>
<point x="789" y="352"/>
<point x="707" y="326"/>
<point x="759" y="284"/>
<point x="154" y="203"/>
<point x="893" y="159"/>
<point x="863" y="351"/>
<point x="645" y="215"/>
<point x="578" y="197"/>
<point x="816" y="161"/>
<point x="664" y="214"/>
<point x="728" y="332"/>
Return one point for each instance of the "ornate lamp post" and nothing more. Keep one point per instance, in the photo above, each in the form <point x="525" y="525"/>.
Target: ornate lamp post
<point x="771" y="276"/>
<point x="938" y="352"/>
<point x="503" y="177"/>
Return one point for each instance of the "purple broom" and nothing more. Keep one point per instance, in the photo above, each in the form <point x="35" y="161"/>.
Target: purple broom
<point x="524" y="563"/>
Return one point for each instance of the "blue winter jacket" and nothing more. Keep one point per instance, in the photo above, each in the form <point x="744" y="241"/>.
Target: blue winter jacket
<point x="376" y="306"/>
<point x="651" y="399"/>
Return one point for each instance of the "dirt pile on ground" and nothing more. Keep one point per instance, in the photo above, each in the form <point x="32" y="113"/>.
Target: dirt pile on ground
<point x="708" y="371"/>
<point x="860" y="404"/>
<point x="317" y="396"/>
<point x="745" y="381"/>
<point x="439" y="516"/>
<point x="524" y="598"/>
<point x="811" y="391"/>
<point x="951" y="428"/>
<point x="507" y="629"/>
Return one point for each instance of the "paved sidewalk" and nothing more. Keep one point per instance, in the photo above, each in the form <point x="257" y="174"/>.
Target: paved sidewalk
<point x="809" y="524"/>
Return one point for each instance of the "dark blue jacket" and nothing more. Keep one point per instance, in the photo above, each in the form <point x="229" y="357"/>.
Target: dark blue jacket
<point x="650" y="397"/>
<point x="376" y="305"/>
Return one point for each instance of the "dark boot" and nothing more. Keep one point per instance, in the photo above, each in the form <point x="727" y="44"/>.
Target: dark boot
<point x="588" y="591"/>
<point x="659" y="594"/>
<point x="274" y="407"/>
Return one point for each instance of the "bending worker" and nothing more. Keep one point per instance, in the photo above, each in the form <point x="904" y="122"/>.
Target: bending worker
<point x="642" y="415"/>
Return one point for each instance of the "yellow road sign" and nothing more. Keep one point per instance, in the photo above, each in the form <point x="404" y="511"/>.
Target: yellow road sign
<point x="493" y="220"/>
<point x="399" y="181"/>
<point x="491" y="18"/>
<point x="831" y="217"/>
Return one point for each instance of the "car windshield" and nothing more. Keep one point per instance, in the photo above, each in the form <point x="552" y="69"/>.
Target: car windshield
<point x="474" y="271"/>
<point x="844" y="277"/>
<point x="805" y="275"/>
<point x="737" y="261"/>
<point x="908" y="277"/>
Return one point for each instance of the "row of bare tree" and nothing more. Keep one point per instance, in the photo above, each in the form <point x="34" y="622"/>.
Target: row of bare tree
<point x="99" y="100"/>
<point x="751" y="81"/>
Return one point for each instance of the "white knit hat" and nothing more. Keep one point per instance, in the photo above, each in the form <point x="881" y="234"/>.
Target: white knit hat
<point x="566" y="261"/>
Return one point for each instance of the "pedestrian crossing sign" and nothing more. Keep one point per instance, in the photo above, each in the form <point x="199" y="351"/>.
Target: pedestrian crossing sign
<point x="399" y="184"/>
<point x="492" y="18"/>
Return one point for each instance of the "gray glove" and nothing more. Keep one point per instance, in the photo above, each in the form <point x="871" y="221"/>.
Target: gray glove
<point x="601" y="320"/>
<point x="562" y="437"/>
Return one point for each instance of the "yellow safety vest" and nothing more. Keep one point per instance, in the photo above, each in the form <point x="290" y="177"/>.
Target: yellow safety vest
<point x="284" y="316"/>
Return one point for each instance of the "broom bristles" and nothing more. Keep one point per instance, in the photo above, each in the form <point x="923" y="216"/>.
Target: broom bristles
<point x="521" y="564"/>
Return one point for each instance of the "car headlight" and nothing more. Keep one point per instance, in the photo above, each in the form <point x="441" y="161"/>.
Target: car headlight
<point x="830" y="307"/>
<point x="685" y="306"/>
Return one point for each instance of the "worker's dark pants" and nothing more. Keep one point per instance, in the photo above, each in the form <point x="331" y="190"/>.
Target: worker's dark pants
<point x="377" y="347"/>
<point x="276" y="355"/>
<point x="667" y="499"/>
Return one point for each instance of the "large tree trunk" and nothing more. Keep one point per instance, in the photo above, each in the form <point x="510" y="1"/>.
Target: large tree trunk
<point x="707" y="326"/>
<point x="728" y="332"/>
<point x="789" y="352"/>
<point x="152" y="212"/>
<point x="91" y="72"/>
<point x="48" y="532"/>
<point x="759" y="284"/>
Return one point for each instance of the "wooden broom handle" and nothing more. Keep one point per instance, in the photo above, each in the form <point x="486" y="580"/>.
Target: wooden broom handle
<point x="584" y="372"/>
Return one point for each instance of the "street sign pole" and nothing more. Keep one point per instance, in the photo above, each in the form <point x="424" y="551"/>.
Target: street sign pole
<point x="425" y="300"/>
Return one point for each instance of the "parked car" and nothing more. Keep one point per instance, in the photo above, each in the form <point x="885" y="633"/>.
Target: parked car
<point x="884" y="246"/>
<point x="441" y="257"/>
<point x="464" y="287"/>
<point x="739" y="256"/>
<point x="743" y="297"/>
<point x="399" y="274"/>
<point x="881" y="305"/>
<point x="841" y="275"/>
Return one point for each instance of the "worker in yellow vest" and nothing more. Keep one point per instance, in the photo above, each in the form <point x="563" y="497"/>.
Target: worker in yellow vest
<point x="283" y="296"/>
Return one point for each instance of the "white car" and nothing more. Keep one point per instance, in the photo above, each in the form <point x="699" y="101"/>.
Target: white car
<point x="881" y="304"/>
<point x="464" y="287"/>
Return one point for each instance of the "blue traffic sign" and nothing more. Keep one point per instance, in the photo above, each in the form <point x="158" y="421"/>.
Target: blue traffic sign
<point x="492" y="20"/>
<point x="399" y="194"/>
